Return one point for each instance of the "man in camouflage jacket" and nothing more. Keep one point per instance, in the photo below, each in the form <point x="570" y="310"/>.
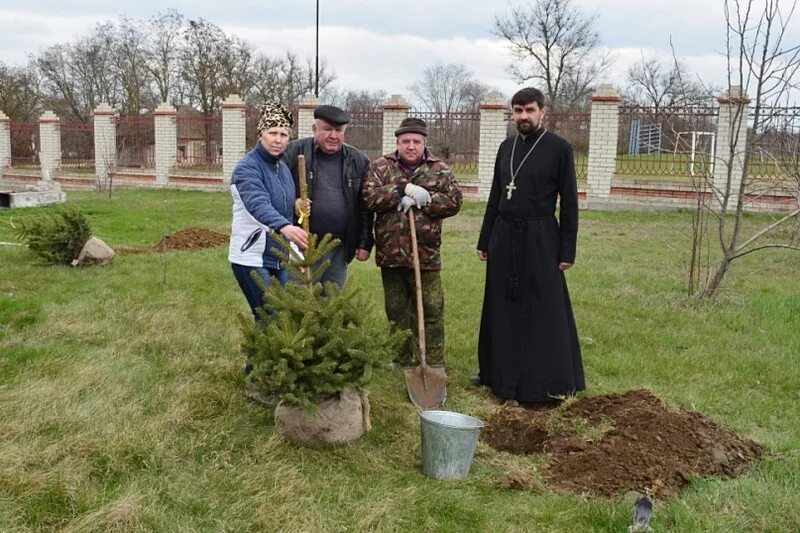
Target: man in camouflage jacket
<point x="412" y="177"/>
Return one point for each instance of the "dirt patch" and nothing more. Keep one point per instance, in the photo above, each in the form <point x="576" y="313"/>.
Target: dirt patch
<point x="607" y="445"/>
<point x="519" y="480"/>
<point x="191" y="239"/>
<point x="185" y="239"/>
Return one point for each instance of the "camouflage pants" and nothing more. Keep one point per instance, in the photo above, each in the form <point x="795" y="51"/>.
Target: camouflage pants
<point x="399" y="293"/>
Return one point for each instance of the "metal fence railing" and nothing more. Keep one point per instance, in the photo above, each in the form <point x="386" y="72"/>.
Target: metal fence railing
<point x="678" y="143"/>
<point x="77" y="145"/>
<point x="454" y="137"/>
<point x="24" y="144"/>
<point x="775" y="144"/>
<point x="666" y="142"/>
<point x="199" y="142"/>
<point x="365" y="132"/>
<point x="136" y="141"/>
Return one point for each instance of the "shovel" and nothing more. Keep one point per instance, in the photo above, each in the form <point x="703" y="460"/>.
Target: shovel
<point x="427" y="385"/>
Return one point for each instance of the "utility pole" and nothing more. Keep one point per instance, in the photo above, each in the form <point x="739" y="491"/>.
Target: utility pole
<point x="316" y="58"/>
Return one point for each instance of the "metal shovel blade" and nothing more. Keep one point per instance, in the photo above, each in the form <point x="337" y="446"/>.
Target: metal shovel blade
<point x="427" y="386"/>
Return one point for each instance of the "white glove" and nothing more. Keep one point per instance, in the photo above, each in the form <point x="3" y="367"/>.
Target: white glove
<point x="420" y="196"/>
<point x="405" y="204"/>
<point x="297" y="255"/>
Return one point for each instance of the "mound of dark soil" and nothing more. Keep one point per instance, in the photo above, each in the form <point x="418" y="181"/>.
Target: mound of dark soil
<point x="185" y="239"/>
<point x="607" y="445"/>
<point x="191" y="239"/>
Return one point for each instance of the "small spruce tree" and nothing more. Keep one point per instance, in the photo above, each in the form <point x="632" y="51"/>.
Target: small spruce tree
<point x="312" y="341"/>
<point x="57" y="236"/>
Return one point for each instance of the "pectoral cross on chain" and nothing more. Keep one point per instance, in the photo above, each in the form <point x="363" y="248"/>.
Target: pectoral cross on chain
<point x="510" y="188"/>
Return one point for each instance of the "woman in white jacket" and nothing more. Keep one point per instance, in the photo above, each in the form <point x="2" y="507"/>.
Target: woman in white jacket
<point x="263" y="204"/>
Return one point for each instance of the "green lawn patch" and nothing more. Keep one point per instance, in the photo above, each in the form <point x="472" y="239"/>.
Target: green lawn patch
<point x="121" y="406"/>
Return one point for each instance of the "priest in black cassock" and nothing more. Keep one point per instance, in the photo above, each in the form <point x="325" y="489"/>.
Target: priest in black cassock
<point x="528" y="347"/>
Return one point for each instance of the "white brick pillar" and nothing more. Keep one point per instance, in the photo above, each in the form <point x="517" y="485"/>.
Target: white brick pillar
<point x="50" y="140"/>
<point x="234" y="138"/>
<point x="5" y="142"/>
<point x="166" y="141"/>
<point x="394" y="111"/>
<point x="105" y="141"/>
<point x="492" y="133"/>
<point x="731" y="144"/>
<point x="603" y="133"/>
<point x="305" y="116"/>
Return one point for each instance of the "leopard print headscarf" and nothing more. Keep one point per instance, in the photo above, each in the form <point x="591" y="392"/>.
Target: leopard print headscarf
<point x="274" y="115"/>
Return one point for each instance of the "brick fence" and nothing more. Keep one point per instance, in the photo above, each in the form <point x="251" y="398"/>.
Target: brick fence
<point x="615" y="147"/>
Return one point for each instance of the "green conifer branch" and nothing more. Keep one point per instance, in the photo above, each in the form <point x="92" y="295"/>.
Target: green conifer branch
<point x="57" y="237"/>
<point x="308" y="345"/>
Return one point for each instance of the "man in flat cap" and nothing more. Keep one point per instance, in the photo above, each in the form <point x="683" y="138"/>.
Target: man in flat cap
<point x="334" y="174"/>
<point x="412" y="178"/>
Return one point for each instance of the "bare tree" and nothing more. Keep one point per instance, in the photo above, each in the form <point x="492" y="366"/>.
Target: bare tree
<point x="554" y="44"/>
<point x="354" y="101"/>
<point x="93" y="61"/>
<point x="203" y="48"/>
<point x="78" y="76"/>
<point x="267" y="73"/>
<point x="448" y="89"/>
<point x="135" y="64"/>
<point x="286" y="79"/>
<point x="20" y="94"/>
<point x="131" y="69"/>
<point x="655" y="83"/>
<point x="761" y="62"/>
<point x="163" y="52"/>
<point x="237" y="61"/>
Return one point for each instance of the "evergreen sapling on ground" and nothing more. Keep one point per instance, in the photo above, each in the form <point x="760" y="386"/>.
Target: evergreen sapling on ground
<point x="58" y="236"/>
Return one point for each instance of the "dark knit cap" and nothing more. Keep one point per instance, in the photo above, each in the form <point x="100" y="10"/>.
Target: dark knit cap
<point x="332" y="115"/>
<point x="412" y="125"/>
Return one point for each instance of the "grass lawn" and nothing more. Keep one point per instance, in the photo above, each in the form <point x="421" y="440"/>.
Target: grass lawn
<point x="121" y="406"/>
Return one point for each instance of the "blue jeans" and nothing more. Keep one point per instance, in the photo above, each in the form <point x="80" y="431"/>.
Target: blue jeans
<point x="251" y="290"/>
<point x="337" y="270"/>
<point x="253" y="293"/>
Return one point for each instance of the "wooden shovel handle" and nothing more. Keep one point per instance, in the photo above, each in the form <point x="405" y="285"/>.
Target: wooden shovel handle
<point x="418" y="285"/>
<point x="301" y="179"/>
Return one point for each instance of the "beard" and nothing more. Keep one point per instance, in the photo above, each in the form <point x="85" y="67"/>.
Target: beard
<point x="526" y="127"/>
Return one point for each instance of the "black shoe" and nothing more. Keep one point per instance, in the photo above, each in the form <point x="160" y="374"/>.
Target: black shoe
<point x="476" y="380"/>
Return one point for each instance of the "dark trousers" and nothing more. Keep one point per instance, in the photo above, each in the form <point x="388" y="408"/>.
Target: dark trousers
<point x="253" y="293"/>
<point x="400" y="300"/>
<point x="337" y="269"/>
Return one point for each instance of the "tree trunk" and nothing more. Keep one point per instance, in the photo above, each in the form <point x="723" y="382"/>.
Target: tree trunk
<point x="715" y="280"/>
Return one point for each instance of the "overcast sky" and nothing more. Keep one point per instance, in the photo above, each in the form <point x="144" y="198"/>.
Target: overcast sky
<point x="385" y="45"/>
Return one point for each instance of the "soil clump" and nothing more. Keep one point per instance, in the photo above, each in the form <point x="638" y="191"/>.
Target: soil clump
<point x="607" y="445"/>
<point x="185" y="239"/>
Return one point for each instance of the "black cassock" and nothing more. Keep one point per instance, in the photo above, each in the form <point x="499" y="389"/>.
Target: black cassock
<point x="528" y="347"/>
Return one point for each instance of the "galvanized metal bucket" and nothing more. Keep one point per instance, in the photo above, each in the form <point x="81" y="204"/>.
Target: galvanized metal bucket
<point x="448" y="443"/>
